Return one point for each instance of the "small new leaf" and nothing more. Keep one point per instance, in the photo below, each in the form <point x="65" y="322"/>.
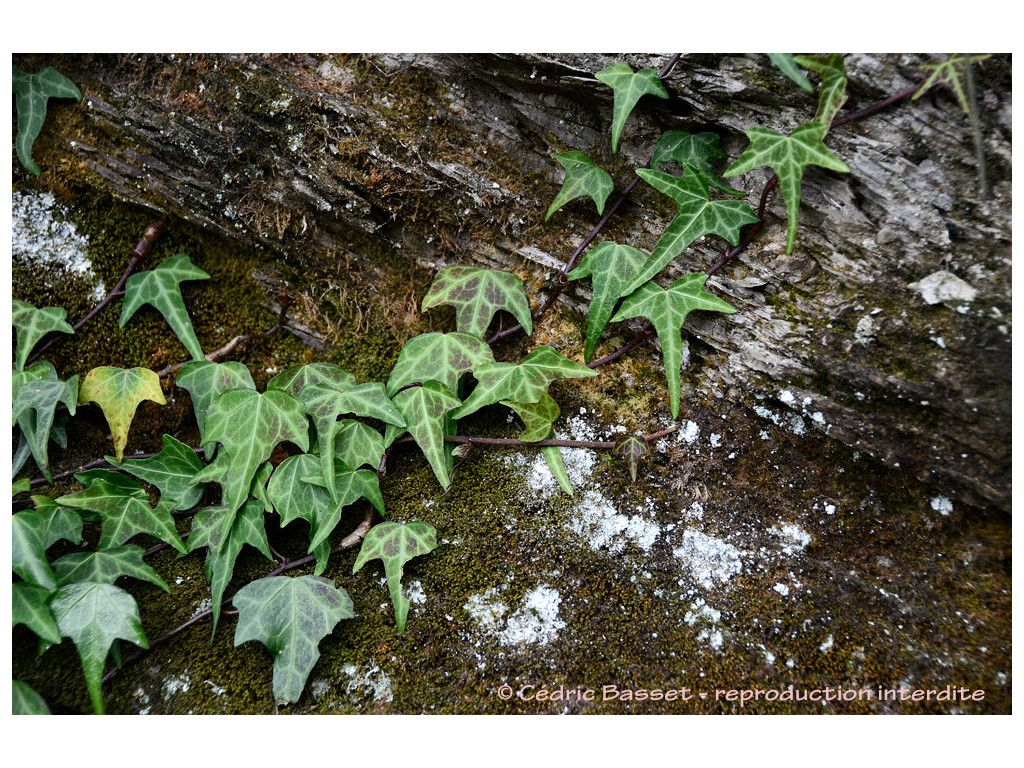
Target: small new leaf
<point x="582" y="179"/>
<point x="832" y="94"/>
<point x="425" y="409"/>
<point x="477" y="294"/>
<point x="396" y="544"/>
<point x="31" y="324"/>
<point x="32" y="92"/>
<point x="441" y="357"/>
<point x="696" y="215"/>
<point x="290" y="616"/>
<point x="628" y="87"/>
<point x="787" y="64"/>
<point x="161" y="289"/>
<point x="694" y="153"/>
<point x="788" y="156"/>
<point x="951" y="73"/>
<point x="94" y="616"/>
<point x="118" y="392"/>
<point x="632" y="449"/>
<point x="611" y="267"/>
<point x="667" y="309"/>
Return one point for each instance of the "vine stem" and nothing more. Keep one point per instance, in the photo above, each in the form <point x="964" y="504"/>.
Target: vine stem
<point x="510" y="442"/>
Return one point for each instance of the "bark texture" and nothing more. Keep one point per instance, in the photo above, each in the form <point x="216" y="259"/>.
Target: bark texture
<point x="887" y="328"/>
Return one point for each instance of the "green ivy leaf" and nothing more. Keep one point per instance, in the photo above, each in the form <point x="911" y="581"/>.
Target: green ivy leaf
<point x="161" y="289"/>
<point x="223" y="534"/>
<point x="21" y="486"/>
<point x="832" y="94"/>
<point x="172" y="471"/>
<point x="35" y="531"/>
<point x="124" y="513"/>
<point x="29" y="606"/>
<point x="788" y="156"/>
<point x="249" y="425"/>
<point x="612" y="267"/>
<point x="36" y="394"/>
<point x="396" y="544"/>
<point x="951" y="73"/>
<point x="441" y="357"/>
<point x="632" y="449"/>
<point x="297" y="492"/>
<point x="357" y="444"/>
<point x="667" y="309"/>
<point x="477" y="294"/>
<point x="694" y="153"/>
<point x="553" y="457"/>
<point x="32" y="92"/>
<point x="425" y="409"/>
<point x="628" y="87"/>
<point x="295" y="380"/>
<point x="94" y="616"/>
<point x="522" y="383"/>
<point x="26" y="701"/>
<point x="33" y="324"/>
<point x="582" y="179"/>
<point x="118" y="392"/>
<point x="787" y="64"/>
<point x="537" y="417"/>
<point x="290" y="616"/>
<point x="206" y="381"/>
<point x="106" y="567"/>
<point x="697" y="215"/>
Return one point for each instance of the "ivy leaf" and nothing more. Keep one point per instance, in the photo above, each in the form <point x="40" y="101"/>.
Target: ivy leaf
<point x="424" y="409"/>
<point x="697" y="215"/>
<point x="396" y="544"/>
<point x="788" y="156"/>
<point x="33" y="324"/>
<point x="25" y="700"/>
<point x="36" y="394"/>
<point x="582" y="179"/>
<point x="694" y="153"/>
<point x="951" y="73"/>
<point x="295" y="380"/>
<point x="206" y="381"/>
<point x="612" y="267"/>
<point x="94" y="616"/>
<point x="296" y="494"/>
<point x="537" y="417"/>
<point x="832" y="94"/>
<point x="787" y="64"/>
<point x="172" y="471"/>
<point x="224" y="534"/>
<point x="118" y="392"/>
<point x="161" y="289"/>
<point x="553" y="457"/>
<point x="35" y="531"/>
<point x="628" y="87"/>
<point x="21" y="486"/>
<point x="441" y="357"/>
<point x="29" y="606"/>
<point x="106" y="567"/>
<point x="124" y="513"/>
<point x="249" y="425"/>
<point x="477" y="294"/>
<point x="667" y="309"/>
<point x="632" y="449"/>
<point x="523" y="383"/>
<point x="290" y="616"/>
<point x="357" y="444"/>
<point x="32" y="92"/>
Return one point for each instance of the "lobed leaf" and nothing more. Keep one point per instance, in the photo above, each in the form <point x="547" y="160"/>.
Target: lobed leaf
<point x="832" y="94"/>
<point x="29" y="606"/>
<point x="357" y="444"/>
<point x="172" y="471"/>
<point x="35" y="531"/>
<point x="290" y="616"/>
<point x="396" y="544"/>
<point x="582" y="179"/>
<point x="441" y="357"/>
<point x="537" y="417"/>
<point x="106" y="567"/>
<point x="952" y="73"/>
<point x="632" y="449"/>
<point x="667" y="309"/>
<point x="31" y="325"/>
<point x="788" y="156"/>
<point x="628" y="87"/>
<point x="477" y="294"/>
<point x="25" y="700"/>
<point x="787" y="64"/>
<point x="696" y="215"/>
<point x="522" y="383"/>
<point x="94" y="616"/>
<point x="36" y="394"/>
<point x="425" y="409"/>
<point x="32" y="92"/>
<point x="161" y="289"/>
<point x="118" y="392"/>
<point x="612" y="268"/>
<point x="206" y="381"/>
<point x="694" y="153"/>
<point x="295" y="380"/>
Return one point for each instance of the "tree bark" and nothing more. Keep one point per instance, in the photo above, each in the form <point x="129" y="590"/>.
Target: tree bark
<point x="887" y="328"/>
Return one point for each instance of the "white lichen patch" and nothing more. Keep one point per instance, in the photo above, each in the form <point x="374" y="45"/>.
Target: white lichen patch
<point x="942" y="505"/>
<point x="534" y="622"/>
<point x="415" y="593"/>
<point x="794" y="538"/>
<point x="41" y="234"/>
<point x="708" y="560"/>
<point x="689" y="433"/>
<point x="702" y="614"/>
<point x="175" y="685"/>
<point x="604" y="527"/>
<point x="370" y="679"/>
<point x="944" y="286"/>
